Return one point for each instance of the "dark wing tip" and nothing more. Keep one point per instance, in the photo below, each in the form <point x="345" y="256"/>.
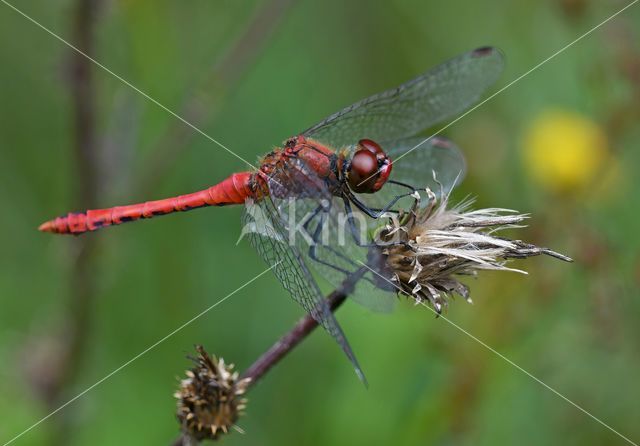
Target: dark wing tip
<point x="488" y="51"/>
<point x="484" y="51"/>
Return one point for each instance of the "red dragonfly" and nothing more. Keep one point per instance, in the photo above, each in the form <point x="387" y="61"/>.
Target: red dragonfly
<point x="341" y="163"/>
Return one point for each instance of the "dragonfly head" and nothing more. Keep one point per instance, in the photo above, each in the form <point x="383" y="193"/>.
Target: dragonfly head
<point x="369" y="169"/>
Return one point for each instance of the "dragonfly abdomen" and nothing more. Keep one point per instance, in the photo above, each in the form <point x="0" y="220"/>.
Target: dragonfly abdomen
<point x="233" y="190"/>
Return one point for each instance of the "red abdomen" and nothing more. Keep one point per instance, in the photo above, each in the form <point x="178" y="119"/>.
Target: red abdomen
<point x="233" y="190"/>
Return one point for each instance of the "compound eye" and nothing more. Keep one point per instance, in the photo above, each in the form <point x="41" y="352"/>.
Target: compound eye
<point x="363" y="172"/>
<point x="371" y="146"/>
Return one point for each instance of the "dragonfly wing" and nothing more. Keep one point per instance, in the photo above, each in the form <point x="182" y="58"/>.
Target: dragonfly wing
<point x="338" y="250"/>
<point x="439" y="94"/>
<point x="416" y="160"/>
<point x="340" y="253"/>
<point x="269" y="234"/>
<point x="337" y="237"/>
<point x="316" y="224"/>
<point x="294" y="275"/>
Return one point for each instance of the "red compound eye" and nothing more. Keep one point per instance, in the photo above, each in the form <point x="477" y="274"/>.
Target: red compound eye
<point x="371" y="146"/>
<point x="370" y="167"/>
<point x="363" y="173"/>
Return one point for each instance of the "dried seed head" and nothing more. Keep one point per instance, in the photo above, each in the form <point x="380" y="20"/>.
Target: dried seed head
<point x="210" y="397"/>
<point x="430" y="247"/>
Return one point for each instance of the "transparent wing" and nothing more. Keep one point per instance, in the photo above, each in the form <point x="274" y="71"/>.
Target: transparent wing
<point x="334" y="245"/>
<point x="441" y="93"/>
<point x="328" y="239"/>
<point x="344" y="248"/>
<point x="275" y="228"/>
<point x="415" y="160"/>
<point x="270" y="239"/>
<point x="316" y="224"/>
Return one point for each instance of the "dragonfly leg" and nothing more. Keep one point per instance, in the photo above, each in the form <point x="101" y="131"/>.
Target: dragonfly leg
<point x="400" y="183"/>
<point x="316" y="237"/>
<point x="356" y="236"/>
<point x="377" y="213"/>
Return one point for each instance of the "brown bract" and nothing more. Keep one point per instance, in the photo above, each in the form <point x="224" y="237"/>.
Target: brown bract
<point x="433" y="246"/>
<point x="210" y="398"/>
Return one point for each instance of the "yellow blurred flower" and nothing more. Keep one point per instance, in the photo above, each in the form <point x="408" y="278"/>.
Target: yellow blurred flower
<point x="565" y="152"/>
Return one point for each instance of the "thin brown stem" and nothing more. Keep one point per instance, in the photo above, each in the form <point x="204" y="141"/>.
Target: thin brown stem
<point x="303" y="328"/>
<point x="82" y="287"/>
<point x="83" y="93"/>
<point x="289" y="341"/>
<point x="300" y="331"/>
<point x="83" y="98"/>
<point x="199" y="104"/>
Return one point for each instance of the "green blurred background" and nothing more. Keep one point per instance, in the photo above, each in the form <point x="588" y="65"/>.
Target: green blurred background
<point x="560" y="144"/>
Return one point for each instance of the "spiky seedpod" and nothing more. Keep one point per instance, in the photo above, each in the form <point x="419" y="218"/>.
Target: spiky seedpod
<point x="210" y="398"/>
<point x="432" y="246"/>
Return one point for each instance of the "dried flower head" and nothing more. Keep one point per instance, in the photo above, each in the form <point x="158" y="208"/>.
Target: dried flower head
<point x="210" y="397"/>
<point x="433" y="246"/>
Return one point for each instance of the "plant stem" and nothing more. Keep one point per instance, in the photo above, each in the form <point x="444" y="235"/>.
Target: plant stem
<point x="82" y="285"/>
<point x="299" y="332"/>
<point x="200" y="104"/>
<point x="83" y="92"/>
<point x="290" y="340"/>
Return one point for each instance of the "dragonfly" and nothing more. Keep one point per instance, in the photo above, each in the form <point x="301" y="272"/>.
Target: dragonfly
<point x="342" y="166"/>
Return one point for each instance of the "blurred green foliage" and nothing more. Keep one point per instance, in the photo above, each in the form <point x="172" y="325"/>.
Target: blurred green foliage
<point x="573" y="326"/>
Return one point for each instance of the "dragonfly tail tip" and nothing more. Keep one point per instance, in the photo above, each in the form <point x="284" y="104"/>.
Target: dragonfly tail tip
<point x="47" y="226"/>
